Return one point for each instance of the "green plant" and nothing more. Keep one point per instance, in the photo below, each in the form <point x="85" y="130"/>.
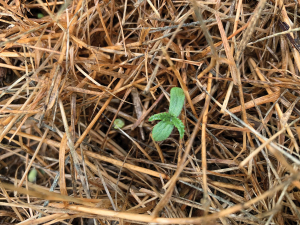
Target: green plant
<point x="40" y="15"/>
<point x="32" y="175"/>
<point x="163" y="129"/>
<point x="119" y="123"/>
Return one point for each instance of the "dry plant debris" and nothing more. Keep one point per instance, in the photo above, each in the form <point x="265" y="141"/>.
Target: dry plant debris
<point x="69" y="69"/>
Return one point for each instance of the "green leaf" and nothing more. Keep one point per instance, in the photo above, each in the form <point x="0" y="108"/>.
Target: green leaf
<point x="119" y="123"/>
<point x="161" y="116"/>
<point x="32" y="175"/>
<point x="176" y="101"/>
<point x="179" y="125"/>
<point x="40" y="15"/>
<point x="162" y="130"/>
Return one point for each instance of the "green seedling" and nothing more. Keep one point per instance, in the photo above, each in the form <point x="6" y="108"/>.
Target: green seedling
<point x="40" y="15"/>
<point x="163" y="129"/>
<point x="32" y="175"/>
<point x="119" y="123"/>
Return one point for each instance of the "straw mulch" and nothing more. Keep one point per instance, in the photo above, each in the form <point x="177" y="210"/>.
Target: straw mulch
<point x="70" y="68"/>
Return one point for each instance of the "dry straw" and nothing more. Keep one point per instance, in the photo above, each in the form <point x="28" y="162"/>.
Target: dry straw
<point x="69" y="69"/>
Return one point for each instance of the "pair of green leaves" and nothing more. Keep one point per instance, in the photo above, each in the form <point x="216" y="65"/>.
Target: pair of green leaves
<point x="163" y="129"/>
